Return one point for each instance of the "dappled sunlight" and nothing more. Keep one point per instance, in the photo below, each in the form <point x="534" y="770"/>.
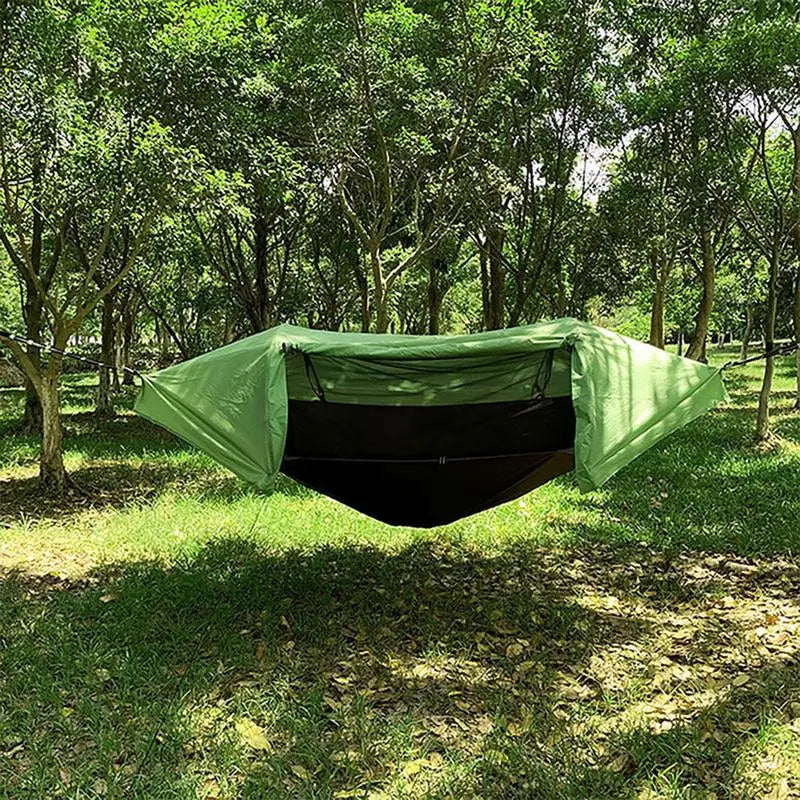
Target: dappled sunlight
<point x="469" y="666"/>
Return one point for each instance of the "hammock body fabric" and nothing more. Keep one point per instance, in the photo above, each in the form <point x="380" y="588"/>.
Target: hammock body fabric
<point x="423" y="430"/>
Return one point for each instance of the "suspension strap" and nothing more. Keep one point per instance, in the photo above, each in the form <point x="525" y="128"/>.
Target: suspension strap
<point x="46" y="348"/>
<point x="782" y="350"/>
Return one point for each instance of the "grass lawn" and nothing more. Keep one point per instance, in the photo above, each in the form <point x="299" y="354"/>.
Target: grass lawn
<point x="167" y="633"/>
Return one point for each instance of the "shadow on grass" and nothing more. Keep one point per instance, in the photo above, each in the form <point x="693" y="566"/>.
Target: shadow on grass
<point x="708" y="487"/>
<point x="119" y="485"/>
<point x="107" y="436"/>
<point x="349" y="659"/>
<point x="235" y="620"/>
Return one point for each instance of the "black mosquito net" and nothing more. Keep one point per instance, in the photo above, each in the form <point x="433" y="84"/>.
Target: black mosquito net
<point x="428" y="465"/>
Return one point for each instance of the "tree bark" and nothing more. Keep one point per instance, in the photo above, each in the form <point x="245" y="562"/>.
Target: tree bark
<point x="108" y="332"/>
<point x="380" y="293"/>
<point x="497" y="278"/>
<point x="52" y="475"/>
<point x="227" y="330"/>
<point x="381" y="311"/>
<point x="363" y="291"/>
<point x="32" y="417"/>
<point x="748" y="331"/>
<point x="118" y="360"/>
<point x="795" y="133"/>
<point x="262" y="312"/>
<point x="484" y="263"/>
<point x="164" y="355"/>
<point x="437" y="289"/>
<point x="796" y="320"/>
<point x="762" y="418"/>
<point x="697" y="348"/>
<point x="657" y="317"/>
<point x="128" y="333"/>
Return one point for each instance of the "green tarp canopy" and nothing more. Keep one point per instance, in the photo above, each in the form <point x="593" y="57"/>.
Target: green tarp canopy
<point x="261" y="404"/>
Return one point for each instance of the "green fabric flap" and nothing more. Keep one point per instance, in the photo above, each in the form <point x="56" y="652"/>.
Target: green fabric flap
<point x="627" y="396"/>
<point x="231" y="403"/>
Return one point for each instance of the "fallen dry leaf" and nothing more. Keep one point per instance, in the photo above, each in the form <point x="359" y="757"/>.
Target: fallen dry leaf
<point x="301" y="772"/>
<point x="252" y="734"/>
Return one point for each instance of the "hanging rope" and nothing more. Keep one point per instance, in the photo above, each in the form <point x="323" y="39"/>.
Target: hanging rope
<point x="782" y="350"/>
<point x="46" y="348"/>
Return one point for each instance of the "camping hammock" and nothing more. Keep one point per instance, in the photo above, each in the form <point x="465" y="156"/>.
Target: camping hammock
<point x="424" y="430"/>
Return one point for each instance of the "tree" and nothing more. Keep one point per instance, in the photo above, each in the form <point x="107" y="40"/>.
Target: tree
<point x="390" y="119"/>
<point x="758" y="60"/>
<point x="76" y="173"/>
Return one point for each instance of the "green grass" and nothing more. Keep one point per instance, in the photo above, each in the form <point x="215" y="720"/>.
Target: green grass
<point x="167" y="633"/>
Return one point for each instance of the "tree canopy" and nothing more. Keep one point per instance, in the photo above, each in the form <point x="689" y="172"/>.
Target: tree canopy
<point x="186" y="173"/>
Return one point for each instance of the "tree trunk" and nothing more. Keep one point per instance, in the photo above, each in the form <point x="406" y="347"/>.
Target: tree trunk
<point x="363" y="291"/>
<point x="657" y="317"/>
<point x="437" y="289"/>
<point x="697" y="348"/>
<point x="33" y="308"/>
<point x="796" y="241"/>
<point x="108" y="331"/>
<point x="748" y="331"/>
<point x="483" y="256"/>
<point x="162" y="334"/>
<point x="128" y="331"/>
<point x="52" y="475"/>
<point x="118" y="360"/>
<point x="262" y="312"/>
<point x="796" y="319"/>
<point x="227" y="331"/>
<point x="32" y="417"/>
<point x="380" y="299"/>
<point x="381" y="311"/>
<point x="497" y="278"/>
<point x="762" y="419"/>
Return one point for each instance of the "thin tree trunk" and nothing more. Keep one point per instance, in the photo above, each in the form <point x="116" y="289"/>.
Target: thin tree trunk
<point x="483" y="256"/>
<point x="657" y="317"/>
<point x="118" y="360"/>
<point x="748" y="331"/>
<point x="262" y="312"/>
<point x="697" y="348"/>
<point x="380" y="293"/>
<point x="32" y="420"/>
<point x="762" y="418"/>
<point x="796" y="319"/>
<point x="52" y="475"/>
<point x="164" y="343"/>
<point x="32" y="417"/>
<point x="227" y="331"/>
<point x="128" y="331"/>
<point x="497" y="278"/>
<point x="108" y="334"/>
<point x="437" y="289"/>
<point x="363" y="291"/>
<point x="795" y="133"/>
<point x="381" y="311"/>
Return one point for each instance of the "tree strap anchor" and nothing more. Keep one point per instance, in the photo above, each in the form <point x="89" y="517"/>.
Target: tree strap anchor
<point x="46" y="348"/>
<point x="782" y="350"/>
